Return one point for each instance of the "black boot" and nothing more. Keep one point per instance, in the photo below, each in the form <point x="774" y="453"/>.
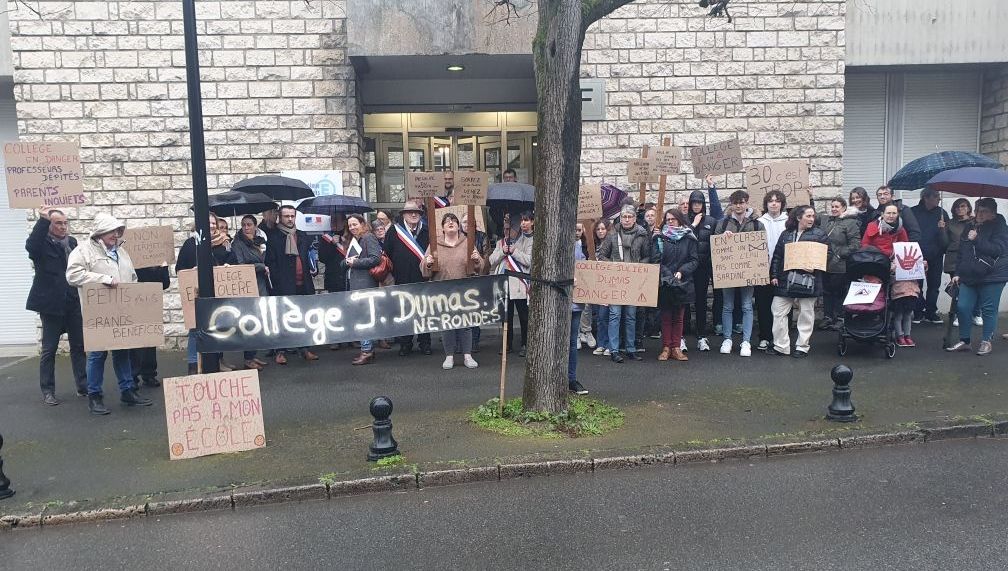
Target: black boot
<point x="151" y="381"/>
<point x="96" y="405"/>
<point x="192" y="368"/>
<point x="131" y="398"/>
<point x="405" y="350"/>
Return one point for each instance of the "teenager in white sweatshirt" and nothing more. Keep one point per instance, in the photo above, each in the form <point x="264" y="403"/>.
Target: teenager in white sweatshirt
<point x="773" y="220"/>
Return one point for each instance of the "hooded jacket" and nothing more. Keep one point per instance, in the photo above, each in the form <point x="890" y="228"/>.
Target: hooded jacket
<point x="50" y="293"/>
<point x="933" y="240"/>
<point x="844" y="235"/>
<point x="774" y="227"/>
<point x="991" y="242"/>
<point x="636" y="245"/>
<point x="91" y="262"/>
<point x="675" y="256"/>
<point x="704" y="228"/>
<point x="954" y="230"/>
<point x="521" y="251"/>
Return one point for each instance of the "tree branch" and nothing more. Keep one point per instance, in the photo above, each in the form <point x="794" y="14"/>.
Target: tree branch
<point x="594" y="10"/>
<point x="510" y="11"/>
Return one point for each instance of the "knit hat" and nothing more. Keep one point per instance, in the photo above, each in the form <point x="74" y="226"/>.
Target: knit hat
<point x="105" y="223"/>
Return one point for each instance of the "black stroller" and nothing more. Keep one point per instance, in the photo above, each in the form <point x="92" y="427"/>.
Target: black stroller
<point x="869" y="322"/>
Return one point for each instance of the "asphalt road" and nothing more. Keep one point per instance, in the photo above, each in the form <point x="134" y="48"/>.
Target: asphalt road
<point x="932" y="506"/>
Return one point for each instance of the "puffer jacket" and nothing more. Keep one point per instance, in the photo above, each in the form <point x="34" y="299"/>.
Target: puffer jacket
<point x="777" y="272"/>
<point x="844" y="236"/>
<point x="636" y="245"/>
<point x="774" y="227"/>
<point x="676" y="256"/>
<point x="704" y="228"/>
<point x="91" y="263"/>
<point x="991" y="242"/>
<point x="955" y="230"/>
<point x="521" y="251"/>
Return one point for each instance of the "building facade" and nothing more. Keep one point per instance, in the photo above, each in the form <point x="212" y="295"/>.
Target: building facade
<point x="371" y="89"/>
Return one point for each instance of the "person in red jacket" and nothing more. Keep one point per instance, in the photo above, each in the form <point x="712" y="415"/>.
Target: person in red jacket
<point x="885" y="231"/>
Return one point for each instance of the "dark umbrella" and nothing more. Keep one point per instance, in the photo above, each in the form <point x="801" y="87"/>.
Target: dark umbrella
<point x="240" y="203"/>
<point x="917" y="172"/>
<point x="510" y="197"/>
<point x="972" y="181"/>
<point x="275" y="186"/>
<point x="612" y="200"/>
<point x="332" y="203"/>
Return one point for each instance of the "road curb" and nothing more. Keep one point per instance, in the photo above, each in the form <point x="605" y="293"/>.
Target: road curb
<point x="244" y="498"/>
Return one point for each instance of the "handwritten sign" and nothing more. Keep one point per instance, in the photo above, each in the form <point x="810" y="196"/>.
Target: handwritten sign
<point x="719" y="158"/>
<point x="43" y="173"/>
<point x="909" y="261"/>
<point x="229" y="281"/>
<point x="789" y="177"/>
<point x="150" y="246"/>
<point x="123" y="317"/>
<point x="616" y="283"/>
<point x="665" y="160"/>
<point x="471" y="188"/>
<point x="423" y="185"/>
<point x="589" y="202"/>
<point x="462" y="212"/>
<point x="805" y="256"/>
<point x="641" y="171"/>
<point x="213" y="414"/>
<point x="862" y="292"/>
<point x="740" y="260"/>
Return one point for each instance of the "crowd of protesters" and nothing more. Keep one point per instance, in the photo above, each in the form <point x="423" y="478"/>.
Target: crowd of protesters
<point x="970" y="245"/>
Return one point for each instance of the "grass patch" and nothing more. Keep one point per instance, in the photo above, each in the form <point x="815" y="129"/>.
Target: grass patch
<point x="584" y="417"/>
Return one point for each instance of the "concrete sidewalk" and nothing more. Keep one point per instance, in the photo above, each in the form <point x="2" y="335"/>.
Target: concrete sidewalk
<point x="317" y="421"/>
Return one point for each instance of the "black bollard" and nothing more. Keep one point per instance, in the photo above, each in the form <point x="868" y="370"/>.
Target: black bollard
<point x="841" y="409"/>
<point x="5" y="491"/>
<point x="384" y="445"/>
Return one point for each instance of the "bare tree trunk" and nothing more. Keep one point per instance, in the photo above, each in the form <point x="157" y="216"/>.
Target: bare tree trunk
<point x="557" y="53"/>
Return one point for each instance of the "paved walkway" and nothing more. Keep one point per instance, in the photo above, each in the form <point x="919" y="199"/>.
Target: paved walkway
<point x="317" y="421"/>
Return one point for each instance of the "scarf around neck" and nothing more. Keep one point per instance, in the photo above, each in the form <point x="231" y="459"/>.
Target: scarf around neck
<point x="675" y="233"/>
<point x="290" y="247"/>
<point x="885" y="228"/>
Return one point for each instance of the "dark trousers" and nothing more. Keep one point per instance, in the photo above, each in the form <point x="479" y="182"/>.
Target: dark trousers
<point x="764" y="298"/>
<point x="834" y="294"/>
<point x="701" y="282"/>
<point x="144" y="362"/>
<point x="53" y="327"/>
<point x="423" y="340"/>
<point x="522" y="306"/>
<point x="932" y="287"/>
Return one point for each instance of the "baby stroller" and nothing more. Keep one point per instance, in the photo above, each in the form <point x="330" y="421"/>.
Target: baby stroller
<point x="869" y="322"/>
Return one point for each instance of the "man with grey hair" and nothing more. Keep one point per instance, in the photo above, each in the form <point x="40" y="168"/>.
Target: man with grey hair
<point x="627" y="242"/>
<point x="934" y="240"/>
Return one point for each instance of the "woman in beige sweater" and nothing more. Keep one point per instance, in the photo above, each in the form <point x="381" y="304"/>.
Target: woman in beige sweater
<point x="454" y="262"/>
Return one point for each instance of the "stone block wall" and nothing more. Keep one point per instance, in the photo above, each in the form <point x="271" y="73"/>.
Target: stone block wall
<point x="278" y="93"/>
<point x="994" y="113"/>
<point x="774" y="77"/>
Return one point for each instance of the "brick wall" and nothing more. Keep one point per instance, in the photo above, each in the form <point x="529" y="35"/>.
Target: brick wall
<point x="994" y="113"/>
<point x="278" y="93"/>
<point x="774" y="77"/>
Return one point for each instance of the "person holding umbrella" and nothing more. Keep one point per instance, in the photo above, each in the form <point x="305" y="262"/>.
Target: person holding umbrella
<point x="405" y="244"/>
<point x="289" y="267"/>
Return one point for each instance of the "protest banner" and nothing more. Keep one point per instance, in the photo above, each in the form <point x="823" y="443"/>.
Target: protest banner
<point x="740" y="260"/>
<point x="275" y="322"/>
<point x="43" y="173"/>
<point x="789" y="177"/>
<point x="719" y="158"/>
<point x="589" y="202"/>
<point x="471" y="188"/>
<point x="123" y="317"/>
<point x="150" y="246"/>
<point x="666" y="160"/>
<point x="462" y="212"/>
<point x="805" y="256"/>
<point x="229" y="281"/>
<point x="909" y="261"/>
<point x="616" y="283"/>
<point x="424" y="185"/>
<point x="641" y="171"/>
<point x="861" y="292"/>
<point x="213" y="414"/>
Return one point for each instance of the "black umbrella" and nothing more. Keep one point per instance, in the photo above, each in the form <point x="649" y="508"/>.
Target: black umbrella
<point x="510" y="197"/>
<point x="334" y="203"/>
<point x="275" y="186"/>
<point x="240" y="203"/>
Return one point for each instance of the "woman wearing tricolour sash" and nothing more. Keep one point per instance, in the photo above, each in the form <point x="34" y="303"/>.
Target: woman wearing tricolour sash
<point x="516" y="255"/>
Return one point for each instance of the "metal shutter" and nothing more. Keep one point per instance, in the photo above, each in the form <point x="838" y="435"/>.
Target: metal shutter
<point x="941" y="112"/>
<point x="864" y="131"/>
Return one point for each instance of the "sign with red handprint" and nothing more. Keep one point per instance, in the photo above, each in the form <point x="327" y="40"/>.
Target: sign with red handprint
<point x="909" y="261"/>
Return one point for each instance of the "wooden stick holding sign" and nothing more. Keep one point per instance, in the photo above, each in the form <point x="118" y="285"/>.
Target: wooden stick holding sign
<point x="471" y="190"/>
<point x="504" y="336"/>
<point x="589" y="209"/>
<point x="643" y="185"/>
<point x="425" y="186"/>
<point x="666" y="162"/>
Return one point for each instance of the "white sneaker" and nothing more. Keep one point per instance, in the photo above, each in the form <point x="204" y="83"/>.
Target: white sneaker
<point x="588" y="339"/>
<point x="607" y="352"/>
<point x="703" y="345"/>
<point x="955" y="322"/>
<point x="470" y="363"/>
<point x="745" y="349"/>
<point x="682" y="345"/>
<point x="599" y="351"/>
<point x="978" y="321"/>
<point x="763" y="344"/>
<point x="579" y="343"/>
<point x="449" y="362"/>
<point x="726" y="347"/>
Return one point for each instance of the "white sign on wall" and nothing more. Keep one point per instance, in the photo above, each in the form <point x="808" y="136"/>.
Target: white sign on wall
<point x="322" y="183"/>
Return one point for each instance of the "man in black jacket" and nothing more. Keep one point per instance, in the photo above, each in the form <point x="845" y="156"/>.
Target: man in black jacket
<point x="144" y="359"/>
<point x="884" y="194"/>
<point x="405" y="244"/>
<point x="56" y="302"/>
<point x="290" y="270"/>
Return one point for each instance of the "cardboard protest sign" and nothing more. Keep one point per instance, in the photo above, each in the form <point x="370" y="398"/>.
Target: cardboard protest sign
<point x="665" y="160"/>
<point x="150" y="246"/>
<point x="909" y="261"/>
<point x="471" y="188"/>
<point x="589" y="202"/>
<point x="641" y="171"/>
<point x="43" y="173"/>
<point x="423" y="185"/>
<point x="788" y="177"/>
<point x="229" y="281"/>
<point x="463" y="215"/>
<point x="616" y="283"/>
<point x="213" y="414"/>
<point x="805" y="256"/>
<point x="719" y="158"/>
<point x="740" y="260"/>
<point x="861" y="292"/>
<point x="274" y="322"/>
<point x="123" y="317"/>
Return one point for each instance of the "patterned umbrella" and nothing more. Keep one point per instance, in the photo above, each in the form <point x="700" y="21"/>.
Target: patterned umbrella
<point x="972" y="181"/>
<point x="612" y="199"/>
<point x="917" y="172"/>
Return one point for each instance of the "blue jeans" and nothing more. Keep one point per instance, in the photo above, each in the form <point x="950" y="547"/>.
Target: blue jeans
<point x="96" y="370"/>
<point x="629" y="326"/>
<point x="367" y="346"/>
<point x="192" y="353"/>
<point x="602" y="326"/>
<point x="572" y="355"/>
<point x="728" y="310"/>
<point x="985" y="296"/>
